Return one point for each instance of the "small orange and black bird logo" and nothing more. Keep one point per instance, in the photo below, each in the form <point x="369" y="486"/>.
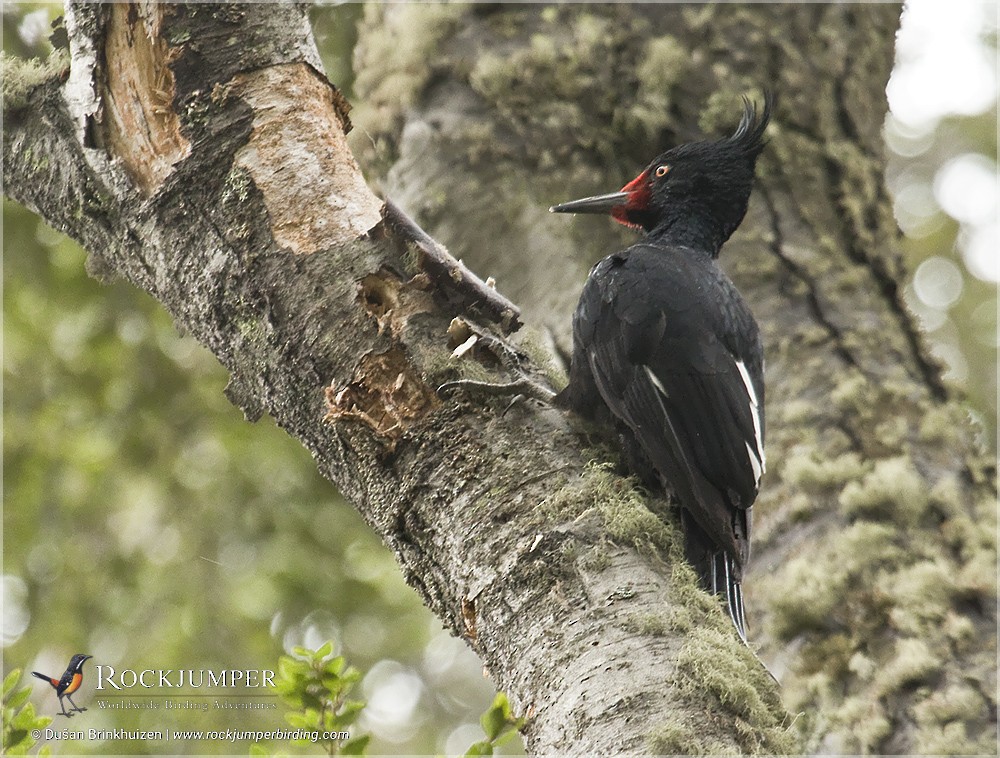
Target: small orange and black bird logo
<point x="69" y="682"/>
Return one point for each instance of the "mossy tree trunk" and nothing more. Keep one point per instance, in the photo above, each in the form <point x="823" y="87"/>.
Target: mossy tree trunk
<point x="197" y="152"/>
<point x="871" y="592"/>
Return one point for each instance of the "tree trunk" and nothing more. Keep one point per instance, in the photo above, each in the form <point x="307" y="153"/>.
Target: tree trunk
<point x="198" y="152"/>
<point x="871" y="588"/>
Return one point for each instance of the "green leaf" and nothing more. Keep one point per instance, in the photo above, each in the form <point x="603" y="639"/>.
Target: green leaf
<point x="298" y="720"/>
<point x="495" y="719"/>
<point x="324" y="650"/>
<point x="25" y="718"/>
<point x="10" y="681"/>
<point x="256" y="749"/>
<point x="335" y="665"/>
<point x="510" y="734"/>
<point x="15" y="738"/>
<point x="479" y="748"/>
<point x="19" y="698"/>
<point x="346" y="715"/>
<point x="291" y="669"/>
<point x="355" y="745"/>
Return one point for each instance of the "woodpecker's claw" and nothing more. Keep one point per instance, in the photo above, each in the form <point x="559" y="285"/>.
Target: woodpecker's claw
<point x="521" y="387"/>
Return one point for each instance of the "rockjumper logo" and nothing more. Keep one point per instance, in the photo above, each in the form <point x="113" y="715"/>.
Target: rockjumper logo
<point x="68" y="683"/>
<point x="194" y="678"/>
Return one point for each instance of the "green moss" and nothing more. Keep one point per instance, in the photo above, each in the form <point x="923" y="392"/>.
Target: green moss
<point x="912" y="662"/>
<point x="19" y="76"/>
<point x="680" y="738"/>
<point x="620" y="505"/>
<point x="440" y="366"/>
<point x="937" y="424"/>
<point x="952" y="739"/>
<point x="806" y="597"/>
<point x="867" y="723"/>
<point x="596" y="559"/>
<point x="946" y="495"/>
<point x="707" y="659"/>
<point x="862" y="666"/>
<point x="650" y="624"/>
<point x="713" y="666"/>
<point x="977" y="578"/>
<point x="892" y="432"/>
<point x="801" y="507"/>
<point x="724" y="108"/>
<point x="922" y="595"/>
<point x="531" y="342"/>
<point x="853" y="392"/>
<point x="957" y="702"/>
<point x="803" y="469"/>
<point x="177" y="34"/>
<point x="392" y="66"/>
<point x="894" y="490"/>
<point x="813" y="591"/>
<point x="959" y="630"/>
<point x="665" y="62"/>
<point x="513" y="81"/>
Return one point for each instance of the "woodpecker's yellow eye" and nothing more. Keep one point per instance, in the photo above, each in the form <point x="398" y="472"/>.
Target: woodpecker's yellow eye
<point x="661" y="171"/>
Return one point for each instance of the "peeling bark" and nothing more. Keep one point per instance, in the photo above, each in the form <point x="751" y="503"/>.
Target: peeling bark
<point x="141" y="126"/>
<point x="300" y="124"/>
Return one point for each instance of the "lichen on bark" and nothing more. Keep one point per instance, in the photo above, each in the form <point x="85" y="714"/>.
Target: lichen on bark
<point x="875" y="530"/>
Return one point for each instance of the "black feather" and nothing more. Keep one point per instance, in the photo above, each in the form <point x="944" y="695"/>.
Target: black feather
<point x="666" y="351"/>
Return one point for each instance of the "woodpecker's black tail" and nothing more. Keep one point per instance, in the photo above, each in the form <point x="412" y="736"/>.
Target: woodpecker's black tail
<point x="725" y="584"/>
<point x="718" y="571"/>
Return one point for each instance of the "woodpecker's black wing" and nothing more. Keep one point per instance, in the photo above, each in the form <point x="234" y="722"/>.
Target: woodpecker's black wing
<point x="664" y="341"/>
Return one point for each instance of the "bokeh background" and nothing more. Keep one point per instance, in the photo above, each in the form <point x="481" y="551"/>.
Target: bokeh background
<point x="146" y="523"/>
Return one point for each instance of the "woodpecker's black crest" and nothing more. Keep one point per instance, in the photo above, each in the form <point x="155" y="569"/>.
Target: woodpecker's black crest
<point x="667" y="352"/>
<point x="68" y="683"/>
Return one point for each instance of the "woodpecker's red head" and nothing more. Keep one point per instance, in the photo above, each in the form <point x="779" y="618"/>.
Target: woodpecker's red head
<point x="696" y="192"/>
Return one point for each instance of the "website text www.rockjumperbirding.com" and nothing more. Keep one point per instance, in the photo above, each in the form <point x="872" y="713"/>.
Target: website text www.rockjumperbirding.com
<point x="159" y="735"/>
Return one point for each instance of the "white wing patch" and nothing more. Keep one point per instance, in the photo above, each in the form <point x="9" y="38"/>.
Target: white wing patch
<point x="757" y="460"/>
<point x="755" y="464"/>
<point x="656" y="382"/>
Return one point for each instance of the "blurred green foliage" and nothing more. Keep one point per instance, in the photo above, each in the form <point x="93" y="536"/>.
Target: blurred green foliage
<point x="146" y="523"/>
<point x="315" y="685"/>
<point x="19" y="718"/>
<point x="961" y="328"/>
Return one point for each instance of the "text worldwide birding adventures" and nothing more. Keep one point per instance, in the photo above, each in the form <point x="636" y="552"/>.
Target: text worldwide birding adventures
<point x="667" y="354"/>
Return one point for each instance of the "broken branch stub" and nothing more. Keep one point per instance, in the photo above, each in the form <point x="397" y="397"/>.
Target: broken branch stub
<point x="450" y="276"/>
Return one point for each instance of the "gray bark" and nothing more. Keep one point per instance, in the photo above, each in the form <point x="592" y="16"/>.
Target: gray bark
<point x="871" y="589"/>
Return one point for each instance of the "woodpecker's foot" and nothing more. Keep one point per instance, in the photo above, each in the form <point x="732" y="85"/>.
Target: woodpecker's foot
<point x="469" y="341"/>
<point x="522" y="387"/>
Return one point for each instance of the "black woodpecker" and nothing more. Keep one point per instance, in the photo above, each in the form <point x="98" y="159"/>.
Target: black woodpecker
<point x="666" y="351"/>
<point x="68" y="683"/>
